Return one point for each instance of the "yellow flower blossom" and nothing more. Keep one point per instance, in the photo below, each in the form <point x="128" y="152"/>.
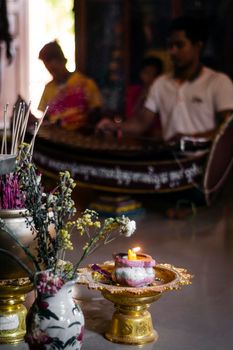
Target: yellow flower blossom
<point x="65" y="240"/>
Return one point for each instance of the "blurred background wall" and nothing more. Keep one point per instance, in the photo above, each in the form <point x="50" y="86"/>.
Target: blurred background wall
<point x="105" y="39"/>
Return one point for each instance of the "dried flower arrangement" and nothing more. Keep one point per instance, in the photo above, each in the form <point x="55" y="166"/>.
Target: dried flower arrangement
<point x="56" y="210"/>
<point x="51" y="219"/>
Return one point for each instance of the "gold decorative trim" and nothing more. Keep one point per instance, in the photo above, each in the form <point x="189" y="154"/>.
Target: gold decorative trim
<point x="131" y="322"/>
<point x="168" y="277"/>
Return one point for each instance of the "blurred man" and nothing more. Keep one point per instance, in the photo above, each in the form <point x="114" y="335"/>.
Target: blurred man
<point x="191" y="98"/>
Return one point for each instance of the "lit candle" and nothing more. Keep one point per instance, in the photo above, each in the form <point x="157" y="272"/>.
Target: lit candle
<point x="131" y="255"/>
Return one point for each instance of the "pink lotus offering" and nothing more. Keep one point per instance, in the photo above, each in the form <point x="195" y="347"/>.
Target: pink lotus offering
<point x="133" y="270"/>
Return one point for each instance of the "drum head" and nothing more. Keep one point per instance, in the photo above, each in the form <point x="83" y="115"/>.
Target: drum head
<point x="219" y="162"/>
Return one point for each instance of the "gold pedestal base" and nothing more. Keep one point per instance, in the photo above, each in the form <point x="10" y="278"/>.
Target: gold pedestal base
<point x="131" y="322"/>
<point x="12" y="311"/>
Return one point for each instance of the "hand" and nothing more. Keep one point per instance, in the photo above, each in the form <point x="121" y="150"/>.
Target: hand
<point x="106" y="126"/>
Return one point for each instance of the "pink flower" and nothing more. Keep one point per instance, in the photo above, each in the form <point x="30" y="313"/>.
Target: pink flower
<point x="43" y="305"/>
<point x="39" y="337"/>
<point x="81" y="334"/>
<point x="43" y="277"/>
<point x="48" y="283"/>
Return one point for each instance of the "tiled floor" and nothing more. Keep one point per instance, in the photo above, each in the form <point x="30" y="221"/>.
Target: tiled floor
<point x="197" y="317"/>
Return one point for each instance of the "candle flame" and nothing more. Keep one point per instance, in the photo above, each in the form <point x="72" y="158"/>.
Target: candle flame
<point x="136" y="249"/>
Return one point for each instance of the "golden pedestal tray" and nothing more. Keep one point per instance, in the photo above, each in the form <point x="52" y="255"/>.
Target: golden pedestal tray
<point x="12" y="310"/>
<point x="131" y="322"/>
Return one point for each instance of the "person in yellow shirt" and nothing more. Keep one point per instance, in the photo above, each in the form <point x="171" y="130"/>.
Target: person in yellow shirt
<point x="73" y="99"/>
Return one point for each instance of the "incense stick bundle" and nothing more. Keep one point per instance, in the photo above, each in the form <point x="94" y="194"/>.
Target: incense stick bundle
<point x="20" y="118"/>
<point x="19" y="126"/>
<point x="11" y="196"/>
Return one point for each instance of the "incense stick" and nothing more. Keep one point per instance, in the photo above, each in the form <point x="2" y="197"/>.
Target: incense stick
<point x="13" y="128"/>
<point x="5" y="132"/>
<point x="17" y="128"/>
<point x="37" y="127"/>
<point x="31" y="147"/>
<point x="4" y="138"/>
<point x="25" y="122"/>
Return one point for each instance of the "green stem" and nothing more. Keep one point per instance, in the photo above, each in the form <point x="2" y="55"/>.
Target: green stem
<point x="22" y="246"/>
<point x="86" y="252"/>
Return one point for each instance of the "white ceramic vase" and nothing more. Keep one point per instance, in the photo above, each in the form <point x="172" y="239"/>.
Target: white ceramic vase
<point x="56" y="321"/>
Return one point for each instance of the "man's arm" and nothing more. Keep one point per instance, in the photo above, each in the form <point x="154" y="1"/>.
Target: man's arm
<point x="140" y="124"/>
<point x="135" y="126"/>
<point x="222" y="118"/>
<point x="224" y="115"/>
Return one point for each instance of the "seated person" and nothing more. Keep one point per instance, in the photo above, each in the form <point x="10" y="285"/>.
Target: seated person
<point x="190" y="99"/>
<point x="73" y="99"/>
<point x="151" y="68"/>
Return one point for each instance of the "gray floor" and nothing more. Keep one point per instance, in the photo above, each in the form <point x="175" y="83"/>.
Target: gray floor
<point x="197" y="317"/>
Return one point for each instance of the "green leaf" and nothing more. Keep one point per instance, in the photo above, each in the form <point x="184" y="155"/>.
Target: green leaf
<point x="72" y="324"/>
<point x="57" y="344"/>
<point x="76" y="308"/>
<point x="70" y="341"/>
<point x="46" y="313"/>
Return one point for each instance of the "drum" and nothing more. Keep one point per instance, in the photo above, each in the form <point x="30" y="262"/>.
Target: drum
<point x="219" y="162"/>
<point x="128" y="165"/>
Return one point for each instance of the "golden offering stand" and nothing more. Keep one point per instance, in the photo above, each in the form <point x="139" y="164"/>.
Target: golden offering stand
<point x="12" y="310"/>
<point x="131" y="322"/>
<point x="14" y="280"/>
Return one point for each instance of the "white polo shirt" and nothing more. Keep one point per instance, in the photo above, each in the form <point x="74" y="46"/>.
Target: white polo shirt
<point x="190" y="107"/>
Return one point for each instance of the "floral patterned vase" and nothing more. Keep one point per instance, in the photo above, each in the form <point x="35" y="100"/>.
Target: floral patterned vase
<point x="54" y="321"/>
